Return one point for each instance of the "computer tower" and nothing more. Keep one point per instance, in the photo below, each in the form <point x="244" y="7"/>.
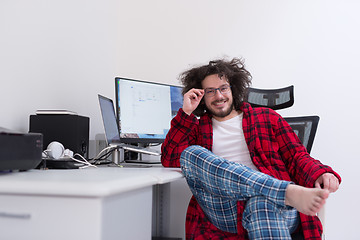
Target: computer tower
<point x="70" y="130"/>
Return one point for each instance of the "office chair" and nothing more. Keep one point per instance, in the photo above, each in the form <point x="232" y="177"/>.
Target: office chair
<point x="305" y="128"/>
<point x="272" y="98"/>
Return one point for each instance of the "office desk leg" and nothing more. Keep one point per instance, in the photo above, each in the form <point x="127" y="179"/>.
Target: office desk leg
<point x="170" y="203"/>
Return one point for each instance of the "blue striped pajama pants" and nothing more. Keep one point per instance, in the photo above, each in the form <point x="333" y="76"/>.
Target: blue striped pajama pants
<point x="217" y="184"/>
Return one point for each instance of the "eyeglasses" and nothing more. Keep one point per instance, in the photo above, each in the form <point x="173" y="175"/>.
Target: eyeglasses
<point x="210" y="92"/>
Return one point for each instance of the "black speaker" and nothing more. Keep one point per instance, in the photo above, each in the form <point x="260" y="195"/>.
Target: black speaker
<point x="70" y="130"/>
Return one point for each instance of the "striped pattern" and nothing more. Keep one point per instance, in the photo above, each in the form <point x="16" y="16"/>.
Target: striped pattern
<point x="218" y="184"/>
<point x="265" y="220"/>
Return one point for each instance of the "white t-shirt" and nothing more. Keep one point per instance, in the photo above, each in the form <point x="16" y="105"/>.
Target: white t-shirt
<point x="229" y="141"/>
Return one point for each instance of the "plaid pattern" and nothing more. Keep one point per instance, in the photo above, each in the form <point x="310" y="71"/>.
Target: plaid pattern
<point x="218" y="184"/>
<point x="274" y="222"/>
<point x="274" y="149"/>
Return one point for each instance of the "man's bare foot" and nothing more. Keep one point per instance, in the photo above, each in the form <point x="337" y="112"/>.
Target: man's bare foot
<point x="308" y="201"/>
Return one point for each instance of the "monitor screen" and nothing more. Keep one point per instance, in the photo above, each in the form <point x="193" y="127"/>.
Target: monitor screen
<point x="145" y="109"/>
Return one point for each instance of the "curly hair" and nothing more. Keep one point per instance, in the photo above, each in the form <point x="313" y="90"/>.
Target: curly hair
<point x="234" y="71"/>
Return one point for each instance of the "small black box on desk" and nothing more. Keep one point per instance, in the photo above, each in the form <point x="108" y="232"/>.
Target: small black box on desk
<point x="70" y="130"/>
<point x="19" y="151"/>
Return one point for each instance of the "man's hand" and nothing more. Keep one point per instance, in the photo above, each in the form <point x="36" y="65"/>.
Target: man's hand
<point x="327" y="181"/>
<point x="192" y="99"/>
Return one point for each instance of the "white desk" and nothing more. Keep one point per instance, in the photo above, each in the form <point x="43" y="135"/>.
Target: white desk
<point x="103" y="203"/>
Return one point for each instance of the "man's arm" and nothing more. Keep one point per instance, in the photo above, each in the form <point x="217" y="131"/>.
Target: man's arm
<point x="303" y="169"/>
<point x="181" y="135"/>
<point x="183" y="131"/>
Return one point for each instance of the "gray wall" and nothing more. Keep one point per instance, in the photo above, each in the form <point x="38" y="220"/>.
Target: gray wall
<point x="61" y="54"/>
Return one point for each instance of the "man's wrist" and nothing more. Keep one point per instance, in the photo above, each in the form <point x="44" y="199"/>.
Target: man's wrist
<point x="187" y="112"/>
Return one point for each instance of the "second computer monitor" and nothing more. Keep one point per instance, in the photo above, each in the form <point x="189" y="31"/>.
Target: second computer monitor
<point x="145" y="109"/>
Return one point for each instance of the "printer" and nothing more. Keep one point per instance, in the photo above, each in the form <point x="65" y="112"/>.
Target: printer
<point x="20" y="151"/>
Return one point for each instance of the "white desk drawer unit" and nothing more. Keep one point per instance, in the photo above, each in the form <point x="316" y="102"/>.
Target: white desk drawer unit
<point x="91" y="204"/>
<point x="43" y="217"/>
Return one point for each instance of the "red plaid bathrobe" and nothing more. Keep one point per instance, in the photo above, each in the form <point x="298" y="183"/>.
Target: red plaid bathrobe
<point x="274" y="149"/>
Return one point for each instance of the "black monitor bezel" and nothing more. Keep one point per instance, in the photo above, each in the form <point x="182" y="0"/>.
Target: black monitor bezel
<point x="136" y="140"/>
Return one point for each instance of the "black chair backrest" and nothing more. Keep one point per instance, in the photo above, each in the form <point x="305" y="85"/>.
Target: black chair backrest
<point x="305" y="128"/>
<point x="271" y="98"/>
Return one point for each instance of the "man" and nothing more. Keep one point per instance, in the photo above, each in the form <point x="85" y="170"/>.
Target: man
<point x="249" y="173"/>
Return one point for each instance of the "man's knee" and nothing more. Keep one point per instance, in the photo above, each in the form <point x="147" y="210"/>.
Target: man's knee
<point x="190" y="154"/>
<point x="187" y="159"/>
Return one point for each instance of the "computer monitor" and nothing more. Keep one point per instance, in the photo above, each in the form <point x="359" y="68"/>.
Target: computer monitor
<point x="144" y="109"/>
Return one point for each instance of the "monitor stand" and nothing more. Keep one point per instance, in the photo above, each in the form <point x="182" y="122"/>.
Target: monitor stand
<point x="118" y="160"/>
<point x="117" y="156"/>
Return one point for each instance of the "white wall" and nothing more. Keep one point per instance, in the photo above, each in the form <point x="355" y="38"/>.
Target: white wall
<point x="60" y="54"/>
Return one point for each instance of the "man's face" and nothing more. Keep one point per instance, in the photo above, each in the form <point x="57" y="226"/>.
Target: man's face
<point x="218" y="97"/>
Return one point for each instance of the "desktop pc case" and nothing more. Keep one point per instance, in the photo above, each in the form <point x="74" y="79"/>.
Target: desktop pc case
<point x="70" y="130"/>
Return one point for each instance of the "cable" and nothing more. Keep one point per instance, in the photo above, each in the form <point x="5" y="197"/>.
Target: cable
<point x="104" y="154"/>
<point x="154" y="144"/>
<point x="83" y="161"/>
<point x="109" y="148"/>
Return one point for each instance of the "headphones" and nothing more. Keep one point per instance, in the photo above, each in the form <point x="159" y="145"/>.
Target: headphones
<point x="56" y="150"/>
